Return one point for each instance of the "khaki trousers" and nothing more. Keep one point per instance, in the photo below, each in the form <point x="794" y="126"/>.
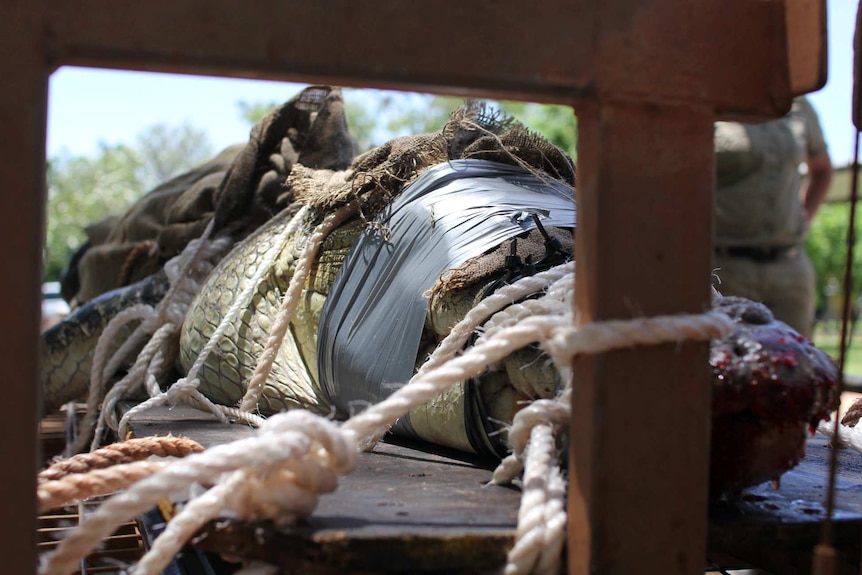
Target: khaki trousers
<point x="785" y="285"/>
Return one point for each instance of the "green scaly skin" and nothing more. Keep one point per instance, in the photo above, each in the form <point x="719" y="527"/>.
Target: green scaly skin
<point x="68" y="347"/>
<point x="225" y="374"/>
<point x="293" y="381"/>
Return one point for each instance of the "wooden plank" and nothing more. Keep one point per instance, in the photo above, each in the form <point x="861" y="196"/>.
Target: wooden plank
<point x="640" y="55"/>
<point x="412" y="507"/>
<point x="777" y="529"/>
<point x="403" y="509"/>
<point x="807" y="45"/>
<point x="735" y="54"/>
<point x="185" y="421"/>
<point x="23" y="101"/>
<point x="471" y="48"/>
<point x="640" y="419"/>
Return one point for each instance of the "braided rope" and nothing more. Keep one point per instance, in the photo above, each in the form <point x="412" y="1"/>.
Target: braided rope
<point x="554" y="540"/>
<point x="285" y="437"/>
<point x="300" y="435"/>
<point x="454" y="342"/>
<point x="181" y="390"/>
<point x="248" y="292"/>
<point x="99" y="371"/>
<point x="280" y="471"/>
<point x="152" y="352"/>
<point x="122" y="452"/>
<point x="539" y="536"/>
<point x="57" y="493"/>
<point x="554" y="412"/>
<point x="458" y="336"/>
<point x="185" y="273"/>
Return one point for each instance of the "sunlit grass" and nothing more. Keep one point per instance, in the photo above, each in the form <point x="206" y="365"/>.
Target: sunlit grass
<point x="828" y="338"/>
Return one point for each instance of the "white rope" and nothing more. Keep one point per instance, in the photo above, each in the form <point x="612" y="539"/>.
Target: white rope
<point x="99" y="372"/>
<point x="152" y="359"/>
<point x="554" y="412"/>
<point x="295" y="436"/>
<point x="540" y="533"/>
<point x="134" y="378"/>
<point x="609" y="335"/>
<point x="539" y="537"/>
<point x="279" y="472"/>
<point x="290" y="437"/>
<point x="454" y="342"/>
<point x="185" y="273"/>
<point x="848" y="436"/>
<point x="458" y="336"/>
<point x="242" y="301"/>
<point x="289" y="303"/>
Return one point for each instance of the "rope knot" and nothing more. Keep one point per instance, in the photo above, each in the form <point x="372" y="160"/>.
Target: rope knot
<point x="290" y="489"/>
<point x="274" y="495"/>
<point x="181" y="390"/>
<point x="553" y="412"/>
<point x="329" y="441"/>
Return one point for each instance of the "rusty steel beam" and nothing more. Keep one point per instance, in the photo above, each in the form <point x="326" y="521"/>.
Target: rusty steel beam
<point x="552" y="51"/>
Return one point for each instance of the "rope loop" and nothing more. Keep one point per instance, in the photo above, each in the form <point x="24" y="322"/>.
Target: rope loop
<point x="181" y="390"/>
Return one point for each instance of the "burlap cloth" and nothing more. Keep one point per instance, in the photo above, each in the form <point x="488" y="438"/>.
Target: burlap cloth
<point x="301" y="153"/>
<point x="241" y="188"/>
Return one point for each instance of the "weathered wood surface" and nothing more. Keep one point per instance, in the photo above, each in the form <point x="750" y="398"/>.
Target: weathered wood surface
<point x="409" y="510"/>
<point x="658" y="415"/>
<point x="559" y="50"/>
<point x="401" y="510"/>
<point x="776" y="529"/>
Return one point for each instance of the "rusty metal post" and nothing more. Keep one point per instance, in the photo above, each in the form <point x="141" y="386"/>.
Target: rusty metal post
<point x="643" y="247"/>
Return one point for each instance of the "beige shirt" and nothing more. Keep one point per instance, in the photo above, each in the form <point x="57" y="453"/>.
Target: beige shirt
<point x="759" y="179"/>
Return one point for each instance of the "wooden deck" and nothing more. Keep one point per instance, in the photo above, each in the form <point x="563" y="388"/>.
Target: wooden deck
<point x="410" y="509"/>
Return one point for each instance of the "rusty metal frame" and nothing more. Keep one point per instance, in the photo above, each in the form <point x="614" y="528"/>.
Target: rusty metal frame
<point x="647" y="78"/>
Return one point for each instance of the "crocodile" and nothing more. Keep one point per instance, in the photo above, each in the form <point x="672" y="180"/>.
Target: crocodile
<point x="471" y="416"/>
<point x="468" y="417"/>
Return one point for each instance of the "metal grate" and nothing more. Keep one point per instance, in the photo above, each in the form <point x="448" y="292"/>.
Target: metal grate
<point x="120" y="550"/>
<point x="114" y="555"/>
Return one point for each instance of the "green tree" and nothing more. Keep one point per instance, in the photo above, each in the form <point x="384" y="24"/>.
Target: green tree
<point x="406" y="114"/>
<point x="826" y="246"/>
<point x="375" y="116"/>
<point x="166" y="151"/>
<point x="557" y="123"/>
<point x="253" y="112"/>
<point x="83" y="190"/>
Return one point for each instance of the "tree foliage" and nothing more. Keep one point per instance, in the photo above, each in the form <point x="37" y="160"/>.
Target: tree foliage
<point x="83" y="190"/>
<point x="166" y="151"/>
<point x="375" y="116"/>
<point x="827" y="248"/>
<point x="557" y="123"/>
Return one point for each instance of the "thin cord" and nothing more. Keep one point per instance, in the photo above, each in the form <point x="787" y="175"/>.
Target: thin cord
<point x="827" y="533"/>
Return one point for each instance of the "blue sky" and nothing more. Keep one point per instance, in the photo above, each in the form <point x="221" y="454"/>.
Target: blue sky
<point x="89" y="106"/>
